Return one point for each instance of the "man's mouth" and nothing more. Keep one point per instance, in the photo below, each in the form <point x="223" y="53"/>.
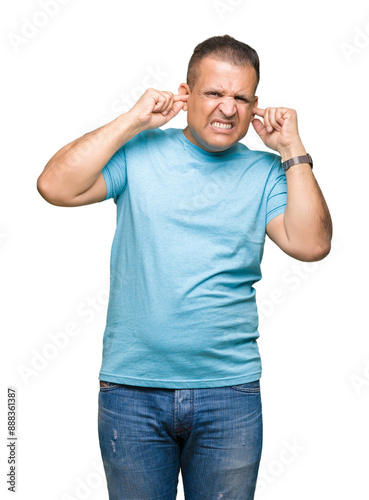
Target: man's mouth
<point x="221" y="125"/>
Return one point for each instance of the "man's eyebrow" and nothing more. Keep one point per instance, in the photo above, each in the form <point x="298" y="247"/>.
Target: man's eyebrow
<point x="219" y="91"/>
<point x="244" y="96"/>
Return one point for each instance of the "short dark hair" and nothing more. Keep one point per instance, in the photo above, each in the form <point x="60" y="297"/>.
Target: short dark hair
<point x="224" y="48"/>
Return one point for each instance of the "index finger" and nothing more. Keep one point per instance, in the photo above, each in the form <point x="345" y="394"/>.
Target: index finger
<point x="258" y="111"/>
<point x="181" y="97"/>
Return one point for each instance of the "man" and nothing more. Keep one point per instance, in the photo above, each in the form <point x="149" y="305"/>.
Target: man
<point x="179" y="381"/>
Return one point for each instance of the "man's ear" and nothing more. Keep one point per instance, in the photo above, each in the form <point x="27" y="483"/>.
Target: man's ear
<point x="184" y="89"/>
<point x="255" y="105"/>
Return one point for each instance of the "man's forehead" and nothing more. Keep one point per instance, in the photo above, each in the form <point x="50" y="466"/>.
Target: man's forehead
<point x="225" y="76"/>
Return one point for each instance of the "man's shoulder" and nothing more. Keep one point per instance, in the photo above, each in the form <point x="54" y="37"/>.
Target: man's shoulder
<point x="259" y="157"/>
<point x="258" y="154"/>
<point x="159" y="133"/>
<point x="153" y="136"/>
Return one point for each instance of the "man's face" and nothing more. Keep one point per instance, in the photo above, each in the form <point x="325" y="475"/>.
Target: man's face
<point x="219" y="107"/>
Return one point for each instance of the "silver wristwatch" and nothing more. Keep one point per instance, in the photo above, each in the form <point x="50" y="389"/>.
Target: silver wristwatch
<point x="296" y="160"/>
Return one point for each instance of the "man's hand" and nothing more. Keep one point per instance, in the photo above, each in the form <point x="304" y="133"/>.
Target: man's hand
<point x="279" y="131"/>
<point x="156" y="108"/>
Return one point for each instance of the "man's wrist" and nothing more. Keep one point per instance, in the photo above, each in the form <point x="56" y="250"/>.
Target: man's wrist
<point x="122" y="129"/>
<point x="288" y="152"/>
<point x="133" y="123"/>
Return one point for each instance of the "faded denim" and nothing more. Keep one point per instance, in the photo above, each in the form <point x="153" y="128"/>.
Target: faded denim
<point x="213" y="435"/>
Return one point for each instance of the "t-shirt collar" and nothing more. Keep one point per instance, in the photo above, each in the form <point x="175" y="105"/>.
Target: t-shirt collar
<point x="202" y="152"/>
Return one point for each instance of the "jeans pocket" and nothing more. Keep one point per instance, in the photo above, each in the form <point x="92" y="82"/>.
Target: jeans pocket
<point x="249" y="387"/>
<point x="107" y="386"/>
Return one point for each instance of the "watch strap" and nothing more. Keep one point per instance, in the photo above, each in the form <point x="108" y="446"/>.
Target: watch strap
<point x="296" y="160"/>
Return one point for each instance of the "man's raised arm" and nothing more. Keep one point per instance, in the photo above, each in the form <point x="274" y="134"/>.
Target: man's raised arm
<point x="304" y="231"/>
<point x="73" y="177"/>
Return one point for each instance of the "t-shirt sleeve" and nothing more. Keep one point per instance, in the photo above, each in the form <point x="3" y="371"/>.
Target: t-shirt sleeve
<point x="277" y="189"/>
<point x="115" y="175"/>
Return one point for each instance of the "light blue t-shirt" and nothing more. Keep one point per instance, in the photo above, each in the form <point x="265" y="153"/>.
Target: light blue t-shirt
<point x="186" y="252"/>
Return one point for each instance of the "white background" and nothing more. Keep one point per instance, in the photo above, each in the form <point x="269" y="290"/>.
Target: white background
<point x="74" y="71"/>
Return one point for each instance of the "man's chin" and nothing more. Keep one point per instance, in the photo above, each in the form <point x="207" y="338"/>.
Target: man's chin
<point x="212" y="142"/>
<point x="220" y="143"/>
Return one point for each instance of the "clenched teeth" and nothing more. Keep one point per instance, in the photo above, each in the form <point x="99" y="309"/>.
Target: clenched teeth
<point x="222" y="125"/>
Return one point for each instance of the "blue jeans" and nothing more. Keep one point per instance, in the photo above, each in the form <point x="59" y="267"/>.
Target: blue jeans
<point x="213" y="435"/>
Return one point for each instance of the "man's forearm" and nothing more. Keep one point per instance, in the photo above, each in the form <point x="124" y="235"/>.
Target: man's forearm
<point x="307" y="220"/>
<point x="76" y="166"/>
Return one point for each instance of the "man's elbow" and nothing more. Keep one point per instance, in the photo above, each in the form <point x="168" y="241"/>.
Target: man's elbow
<point x="42" y="188"/>
<point x="322" y="251"/>
<point x="47" y="194"/>
<point x="316" y="253"/>
<point x="308" y="253"/>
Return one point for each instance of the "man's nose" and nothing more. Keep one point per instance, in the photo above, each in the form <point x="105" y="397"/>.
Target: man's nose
<point x="227" y="106"/>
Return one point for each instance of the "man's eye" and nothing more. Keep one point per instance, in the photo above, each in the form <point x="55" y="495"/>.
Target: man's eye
<point x="241" y="99"/>
<point x="213" y="93"/>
